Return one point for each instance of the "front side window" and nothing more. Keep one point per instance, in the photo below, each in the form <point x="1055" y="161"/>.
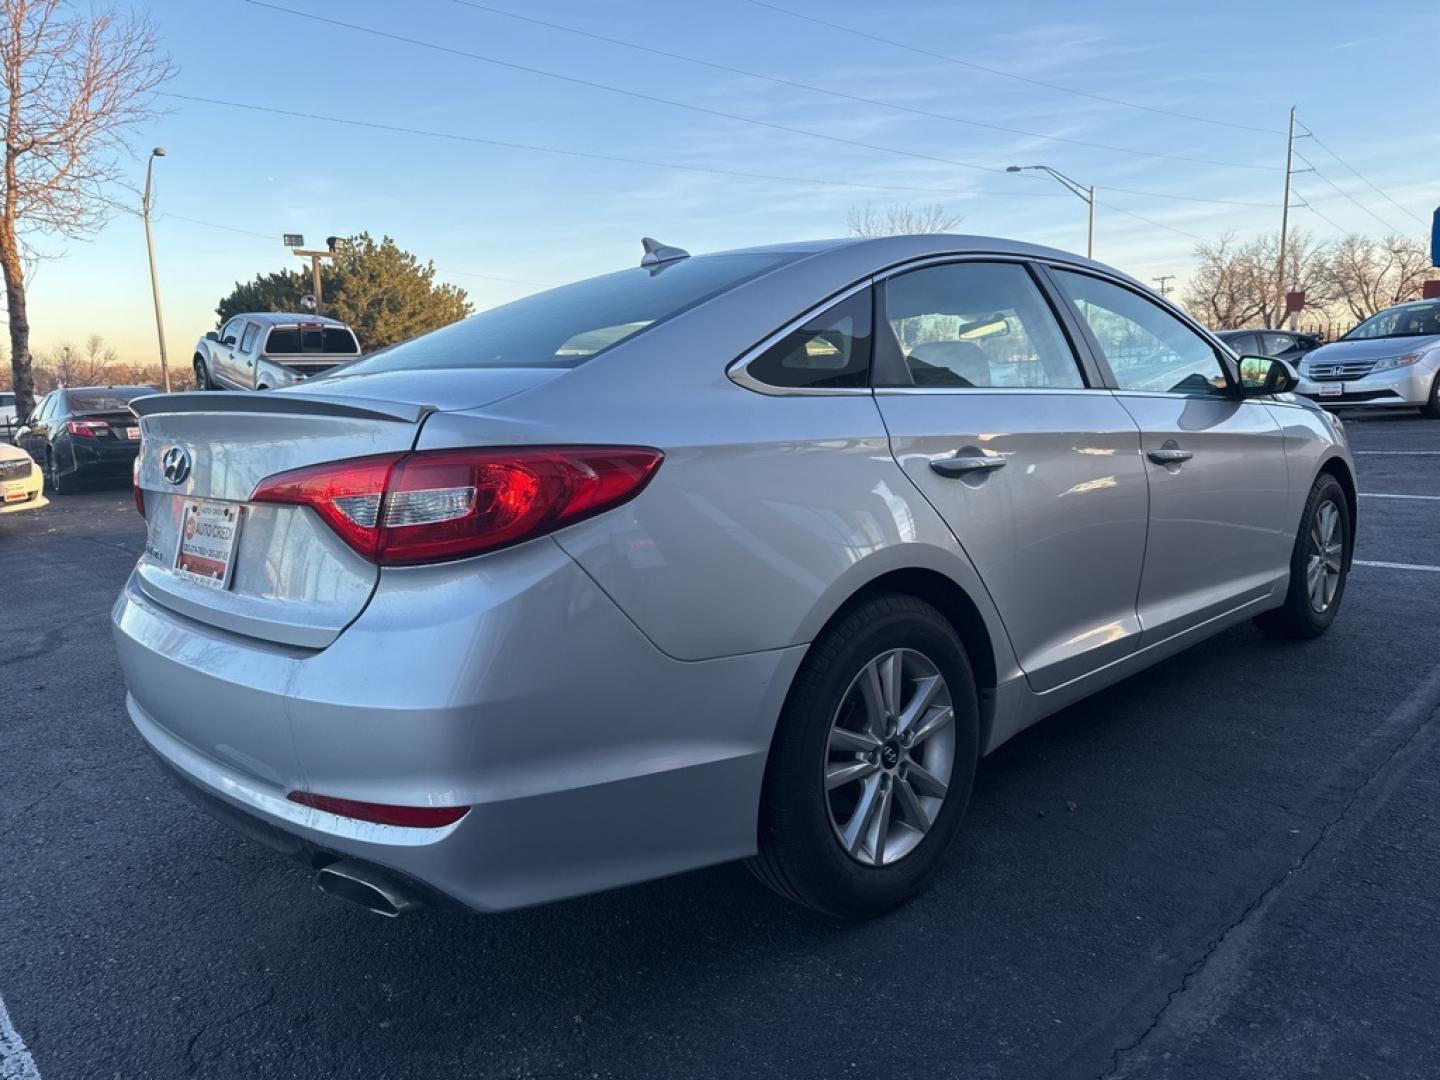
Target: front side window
<point x="1147" y="347"/>
<point x="974" y="324"/>
<point x="830" y="352"/>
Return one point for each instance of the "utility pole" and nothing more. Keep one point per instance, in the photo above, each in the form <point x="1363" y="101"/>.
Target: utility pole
<point x="159" y="151"/>
<point x="1285" y="210"/>
<point x="1162" y="284"/>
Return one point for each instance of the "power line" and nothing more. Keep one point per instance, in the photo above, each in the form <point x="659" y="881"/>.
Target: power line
<point x="271" y="237"/>
<point x="705" y="110"/>
<point x="614" y="158"/>
<point x="1365" y="180"/>
<point x="1010" y="74"/>
<point x="843" y="95"/>
<point x="1306" y="204"/>
<point x="1321" y="176"/>
<point x="1151" y="221"/>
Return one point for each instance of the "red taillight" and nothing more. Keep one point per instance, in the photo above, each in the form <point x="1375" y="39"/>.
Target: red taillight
<point x="87" y="429"/>
<point x="432" y="505"/>
<point x="414" y="817"/>
<point x="135" y="487"/>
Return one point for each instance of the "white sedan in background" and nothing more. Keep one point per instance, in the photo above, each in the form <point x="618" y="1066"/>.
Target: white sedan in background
<point x="22" y="484"/>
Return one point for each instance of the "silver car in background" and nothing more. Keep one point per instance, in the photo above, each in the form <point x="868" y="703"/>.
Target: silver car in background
<point x="749" y="555"/>
<point x="1391" y="359"/>
<point x="264" y="350"/>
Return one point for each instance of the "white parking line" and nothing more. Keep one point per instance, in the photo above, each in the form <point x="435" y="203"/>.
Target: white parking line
<point x="1383" y="495"/>
<point x="1398" y="565"/>
<point x="15" y="1061"/>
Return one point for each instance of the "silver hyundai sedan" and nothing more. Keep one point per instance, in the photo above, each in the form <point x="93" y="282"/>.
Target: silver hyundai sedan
<point x="749" y="555"/>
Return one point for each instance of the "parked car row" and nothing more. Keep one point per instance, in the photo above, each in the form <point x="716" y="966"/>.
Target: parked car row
<point x="1392" y="359"/>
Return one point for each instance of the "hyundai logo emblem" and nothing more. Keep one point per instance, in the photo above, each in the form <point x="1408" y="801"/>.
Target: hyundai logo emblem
<point x="175" y="464"/>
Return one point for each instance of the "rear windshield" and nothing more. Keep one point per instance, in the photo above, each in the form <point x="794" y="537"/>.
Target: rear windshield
<point x="564" y="327"/>
<point x="108" y="400"/>
<point x="290" y="340"/>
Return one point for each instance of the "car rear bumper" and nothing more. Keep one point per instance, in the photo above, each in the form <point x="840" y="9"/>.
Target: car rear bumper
<point x="100" y="457"/>
<point x="1401" y="387"/>
<point x="510" y="684"/>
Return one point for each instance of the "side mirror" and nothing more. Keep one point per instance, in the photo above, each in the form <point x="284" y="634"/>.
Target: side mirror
<point x="212" y="335"/>
<point x="1261" y="376"/>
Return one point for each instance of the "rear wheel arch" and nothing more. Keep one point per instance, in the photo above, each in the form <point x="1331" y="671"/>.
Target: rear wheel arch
<point x="959" y="610"/>
<point x="1338" y="469"/>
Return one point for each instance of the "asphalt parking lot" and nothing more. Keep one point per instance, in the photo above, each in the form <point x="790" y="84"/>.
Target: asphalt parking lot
<point x="1224" y="867"/>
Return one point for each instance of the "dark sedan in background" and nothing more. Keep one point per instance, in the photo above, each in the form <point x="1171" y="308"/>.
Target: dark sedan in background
<point x="1281" y="344"/>
<point x="83" y="432"/>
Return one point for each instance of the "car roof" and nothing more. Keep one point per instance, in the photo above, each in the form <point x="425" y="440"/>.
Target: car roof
<point x="285" y="318"/>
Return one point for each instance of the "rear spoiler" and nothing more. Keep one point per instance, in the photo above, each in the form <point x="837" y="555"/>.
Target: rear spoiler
<point x="246" y="401"/>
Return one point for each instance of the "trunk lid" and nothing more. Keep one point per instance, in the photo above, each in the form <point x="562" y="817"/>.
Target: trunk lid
<point x="291" y="580"/>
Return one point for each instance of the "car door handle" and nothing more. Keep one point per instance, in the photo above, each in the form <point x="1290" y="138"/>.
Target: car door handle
<point x="959" y="465"/>
<point x="1169" y="454"/>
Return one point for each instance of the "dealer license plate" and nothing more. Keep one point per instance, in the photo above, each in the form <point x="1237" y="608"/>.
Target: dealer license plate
<point x="1332" y="389"/>
<point x="208" y="531"/>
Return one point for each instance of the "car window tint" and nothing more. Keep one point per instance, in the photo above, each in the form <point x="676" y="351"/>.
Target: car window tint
<point x="965" y="325"/>
<point x="1146" y="346"/>
<point x="831" y="351"/>
<point x="1275" y="344"/>
<point x="1243" y="344"/>
<point x="108" y="400"/>
<point x="247" y="341"/>
<point x="543" y="330"/>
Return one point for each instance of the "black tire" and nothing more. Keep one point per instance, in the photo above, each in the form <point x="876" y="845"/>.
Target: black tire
<point x="1298" y="617"/>
<point x="59" y="485"/>
<point x="202" y="375"/>
<point x="800" y="856"/>
<point x="1431" y="409"/>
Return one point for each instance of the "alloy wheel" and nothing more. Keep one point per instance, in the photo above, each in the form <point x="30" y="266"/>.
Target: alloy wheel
<point x="890" y="756"/>
<point x="1325" y="556"/>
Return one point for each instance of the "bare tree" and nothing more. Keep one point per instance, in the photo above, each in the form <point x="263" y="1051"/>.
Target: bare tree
<point x="1368" y="275"/>
<point x="94" y="365"/>
<point x="76" y="84"/>
<point x="900" y="219"/>
<point x="1235" y="284"/>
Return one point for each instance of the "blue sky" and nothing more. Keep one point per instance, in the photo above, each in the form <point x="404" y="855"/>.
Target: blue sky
<point x="502" y="222"/>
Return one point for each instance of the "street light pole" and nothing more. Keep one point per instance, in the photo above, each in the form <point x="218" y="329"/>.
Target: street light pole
<point x="159" y="151"/>
<point x="1075" y="188"/>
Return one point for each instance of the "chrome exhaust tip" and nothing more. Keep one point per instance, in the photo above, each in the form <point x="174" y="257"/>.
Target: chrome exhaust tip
<point x="369" y="887"/>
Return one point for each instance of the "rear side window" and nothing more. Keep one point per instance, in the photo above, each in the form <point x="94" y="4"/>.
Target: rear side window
<point x="565" y="327"/>
<point x="830" y="352"/>
<point x="293" y="340"/>
<point x="972" y="324"/>
<point x="247" y="341"/>
<point x="1242" y="344"/>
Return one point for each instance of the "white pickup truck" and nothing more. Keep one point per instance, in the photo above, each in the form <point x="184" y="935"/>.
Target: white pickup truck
<point x="270" y="349"/>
